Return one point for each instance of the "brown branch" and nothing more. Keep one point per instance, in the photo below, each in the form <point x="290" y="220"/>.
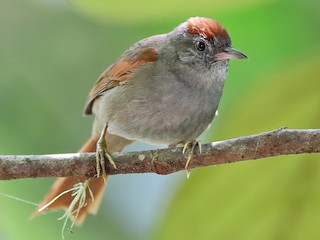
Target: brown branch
<point x="164" y="161"/>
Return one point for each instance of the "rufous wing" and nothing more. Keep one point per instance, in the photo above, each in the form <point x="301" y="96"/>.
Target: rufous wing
<point x="119" y="73"/>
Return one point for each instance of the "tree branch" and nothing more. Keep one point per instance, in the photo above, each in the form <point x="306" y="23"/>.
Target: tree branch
<point x="164" y="161"/>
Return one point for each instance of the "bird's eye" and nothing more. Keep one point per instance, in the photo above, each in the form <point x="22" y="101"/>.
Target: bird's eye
<point x="201" y="46"/>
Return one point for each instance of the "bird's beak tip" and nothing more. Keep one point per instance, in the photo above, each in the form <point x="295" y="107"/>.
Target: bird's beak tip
<point x="230" y="53"/>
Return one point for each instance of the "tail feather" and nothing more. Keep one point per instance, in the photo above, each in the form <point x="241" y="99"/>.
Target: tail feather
<point x="96" y="185"/>
<point x="61" y="185"/>
<point x="89" y="146"/>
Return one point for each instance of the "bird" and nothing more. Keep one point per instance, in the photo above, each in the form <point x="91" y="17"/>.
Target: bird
<point x="165" y="89"/>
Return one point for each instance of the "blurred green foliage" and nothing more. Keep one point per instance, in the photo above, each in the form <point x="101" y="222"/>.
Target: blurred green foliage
<point x="52" y="51"/>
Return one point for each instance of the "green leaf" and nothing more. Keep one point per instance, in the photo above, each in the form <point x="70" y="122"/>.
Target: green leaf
<point x="275" y="198"/>
<point x="140" y="11"/>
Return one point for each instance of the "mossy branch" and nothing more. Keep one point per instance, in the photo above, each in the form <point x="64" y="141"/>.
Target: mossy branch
<point x="164" y="161"/>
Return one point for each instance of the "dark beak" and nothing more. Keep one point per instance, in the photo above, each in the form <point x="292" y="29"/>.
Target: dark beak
<point x="228" y="54"/>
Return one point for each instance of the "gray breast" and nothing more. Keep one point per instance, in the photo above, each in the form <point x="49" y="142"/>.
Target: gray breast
<point x="163" y="111"/>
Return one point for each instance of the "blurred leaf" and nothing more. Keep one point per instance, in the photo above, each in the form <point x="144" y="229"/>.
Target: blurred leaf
<point x="140" y="11"/>
<point x="267" y="199"/>
<point x="14" y="219"/>
<point x="51" y="56"/>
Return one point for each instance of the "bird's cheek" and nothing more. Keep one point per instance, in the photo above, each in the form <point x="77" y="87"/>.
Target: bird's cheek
<point x="186" y="56"/>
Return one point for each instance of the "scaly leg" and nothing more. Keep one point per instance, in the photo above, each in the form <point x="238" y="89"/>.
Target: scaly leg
<point x="102" y="153"/>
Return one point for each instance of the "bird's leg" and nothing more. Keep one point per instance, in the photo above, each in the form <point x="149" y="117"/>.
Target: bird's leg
<point x="102" y="153"/>
<point x="190" y="145"/>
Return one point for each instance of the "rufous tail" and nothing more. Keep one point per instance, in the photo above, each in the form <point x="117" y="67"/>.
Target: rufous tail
<point x="96" y="185"/>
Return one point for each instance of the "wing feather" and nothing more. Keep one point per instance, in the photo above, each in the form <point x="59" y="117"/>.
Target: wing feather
<point x="119" y="73"/>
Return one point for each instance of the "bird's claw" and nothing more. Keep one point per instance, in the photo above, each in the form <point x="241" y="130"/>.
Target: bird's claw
<point x="102" y="154"/>
<point x="190" y="145"/>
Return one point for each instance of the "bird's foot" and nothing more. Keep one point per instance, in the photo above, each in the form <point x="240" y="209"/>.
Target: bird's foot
<point x="102" y="154"/>
<point x="188" y="150"/>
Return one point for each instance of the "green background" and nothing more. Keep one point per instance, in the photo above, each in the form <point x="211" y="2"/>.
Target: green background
<point x="51" y="53"/>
